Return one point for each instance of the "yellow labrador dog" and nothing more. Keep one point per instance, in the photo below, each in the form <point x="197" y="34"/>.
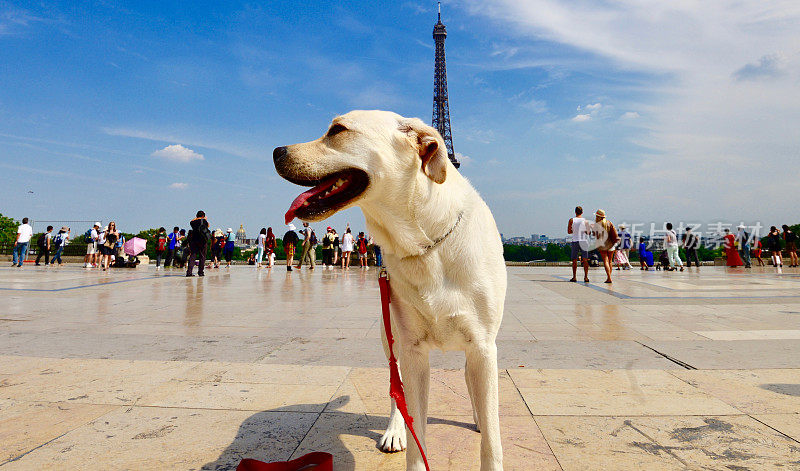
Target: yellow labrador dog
<point x="440" y="245"/>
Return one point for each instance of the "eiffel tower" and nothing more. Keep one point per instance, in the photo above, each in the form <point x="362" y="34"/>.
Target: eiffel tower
<point x="441" y="107"/>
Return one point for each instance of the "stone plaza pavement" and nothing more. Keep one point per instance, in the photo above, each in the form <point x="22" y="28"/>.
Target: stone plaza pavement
<point x="145" y="370"/>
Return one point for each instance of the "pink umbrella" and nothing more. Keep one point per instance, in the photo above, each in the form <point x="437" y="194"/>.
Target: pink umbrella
<point x="135" y="246"/>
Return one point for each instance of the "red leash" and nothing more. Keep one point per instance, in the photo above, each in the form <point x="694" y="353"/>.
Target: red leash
<point x="319" y="461"/>
<point x="395" y="384"/>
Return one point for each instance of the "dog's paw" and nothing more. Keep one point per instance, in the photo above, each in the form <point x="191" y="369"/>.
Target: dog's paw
<point x="393" y="440"/>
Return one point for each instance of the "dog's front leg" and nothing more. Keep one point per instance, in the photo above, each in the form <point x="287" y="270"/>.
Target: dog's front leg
<point x="415" y="369"/>
<point x="394" y="438"/>
<point x="481" y="375"/>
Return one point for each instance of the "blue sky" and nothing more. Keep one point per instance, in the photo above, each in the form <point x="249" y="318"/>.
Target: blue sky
<point x="144" y="112"/>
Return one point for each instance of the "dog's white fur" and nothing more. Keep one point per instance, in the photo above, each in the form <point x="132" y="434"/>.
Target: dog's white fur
<point x="449" y="296"/>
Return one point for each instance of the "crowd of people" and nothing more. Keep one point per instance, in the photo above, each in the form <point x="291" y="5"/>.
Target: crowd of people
<point x="335" y="250"/>
<point x="614" y="245"/>
<point x="181" y="248"/>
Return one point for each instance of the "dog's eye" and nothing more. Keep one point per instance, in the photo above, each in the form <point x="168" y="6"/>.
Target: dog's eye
<point x="336" y="129"/>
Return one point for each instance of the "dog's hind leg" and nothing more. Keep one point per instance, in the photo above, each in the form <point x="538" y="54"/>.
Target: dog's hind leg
<point x="394" y="438"/>
<point x="481" y="374"/>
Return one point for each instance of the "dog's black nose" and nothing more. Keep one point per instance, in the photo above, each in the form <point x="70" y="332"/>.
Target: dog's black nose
<point x="278" y="153"/>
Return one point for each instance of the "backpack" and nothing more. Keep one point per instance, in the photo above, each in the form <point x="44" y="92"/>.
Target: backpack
<point x="87" y="237"/>
<point x="313" y="238"/>
<point x="326" y="241"/>
<point x="59" y="240"/>
<point x="40" y="242"/>
<point x="161" y="244"/>
<point x="362" y="245"/>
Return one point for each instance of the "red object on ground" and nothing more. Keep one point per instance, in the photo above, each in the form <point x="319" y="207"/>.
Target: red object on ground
<point x="317" y="461"/>
<point x="395" y="384"/>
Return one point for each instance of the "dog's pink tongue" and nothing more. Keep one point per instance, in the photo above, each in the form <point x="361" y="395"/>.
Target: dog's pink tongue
<point x="303" y="197"/>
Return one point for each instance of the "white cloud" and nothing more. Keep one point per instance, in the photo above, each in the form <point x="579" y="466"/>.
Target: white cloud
<point x="178" y="153"/>
<point x="581" y="118"/>
<point x="537" y="106"/>
<point x="179" y="186"/>
<point x="595" y="107"/>
<point x="629" y="115"/>
<point x="718" y="81"/>
<point x="465" y="160"/>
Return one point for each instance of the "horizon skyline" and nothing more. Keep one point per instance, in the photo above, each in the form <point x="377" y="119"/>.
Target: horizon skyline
<point x="150" y="113"/>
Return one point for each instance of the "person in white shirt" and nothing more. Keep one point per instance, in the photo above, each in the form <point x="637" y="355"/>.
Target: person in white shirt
<point x="262" y="237"/>
<point x="91" y="246"/>
<point x="347" y="248"/>
<point x="24" y="234"/>
<point x="579" y="228"/>
<point x="671" y="243"/>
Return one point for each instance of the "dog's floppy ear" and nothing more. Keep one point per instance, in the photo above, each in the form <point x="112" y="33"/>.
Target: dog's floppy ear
<point x="431" y="148"/>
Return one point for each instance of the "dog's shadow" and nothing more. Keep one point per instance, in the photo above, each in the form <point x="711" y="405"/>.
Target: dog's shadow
<point x="281" y="433"/>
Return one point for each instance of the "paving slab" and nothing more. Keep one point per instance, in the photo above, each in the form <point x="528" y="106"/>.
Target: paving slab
<point x="143" y="369"/>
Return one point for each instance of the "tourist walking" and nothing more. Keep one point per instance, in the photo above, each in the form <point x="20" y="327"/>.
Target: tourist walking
<point x="578" y="227"/>
<point x="336" y="247"/>
<point x="24" y="234"/>
<point x="290" y="241"/>
<point x="90" y="238"/>
<point x="174" y="237"/>
<point x="791" y="245"/>
<point x="269" y="246"/>
<point x="43" y="245"/>
<point x="260" y="244"/>
<point x="732" y="257"/>
<point x="347" y="248"/>
<point x="757" y="248"/>
<point x="378" y="255"/>
<point x="691" y="243"/>
<point x="361" y="246"/>
<point x="217" y="243"/>
<point x="227" y="251"/>
<point x="107" y="241"/>
<point x="309" y="252"/>
<point x="774" y="246"/>
<point x="671" y="246"/>
<point x="161" y="246"/>
<point x="646" y="259"/>
<point x="61" y="240"/>
<point x="327" y="248"/>
<point x="743" y="239"/>
<point x="607" y="237"/>
<point x="198" y="244"/>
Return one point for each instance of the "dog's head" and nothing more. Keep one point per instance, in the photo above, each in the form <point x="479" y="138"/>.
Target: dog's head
<point x="363" y="156"/>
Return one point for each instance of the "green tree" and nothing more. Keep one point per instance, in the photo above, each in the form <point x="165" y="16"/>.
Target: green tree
<point x="8" y="231"/>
